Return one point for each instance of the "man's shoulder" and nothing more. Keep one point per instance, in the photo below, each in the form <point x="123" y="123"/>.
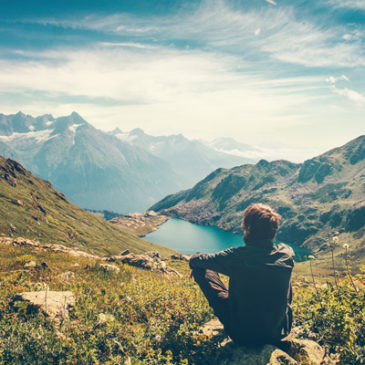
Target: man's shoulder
<point x="285" y="249"/>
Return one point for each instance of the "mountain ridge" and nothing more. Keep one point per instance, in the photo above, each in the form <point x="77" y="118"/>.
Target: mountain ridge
<point x="322" y="196"/>
<point x="98" y="170"/>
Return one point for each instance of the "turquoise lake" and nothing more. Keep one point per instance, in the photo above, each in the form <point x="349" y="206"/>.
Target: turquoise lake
<point x="189" y="238"/>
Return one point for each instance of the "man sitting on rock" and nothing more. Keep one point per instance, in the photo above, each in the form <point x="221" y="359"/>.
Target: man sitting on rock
<point x="255" y="310"/>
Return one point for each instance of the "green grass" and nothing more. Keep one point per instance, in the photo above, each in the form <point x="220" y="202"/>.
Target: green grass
<point x="155" y="317"/>
<point x="37" y="211"/>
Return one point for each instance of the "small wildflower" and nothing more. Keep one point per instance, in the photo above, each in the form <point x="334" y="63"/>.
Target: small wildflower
<point x="346" y="246"/>
<point x="158" y="338"/>
<point x="311" y="257"/>
<point x="335" y="239"/>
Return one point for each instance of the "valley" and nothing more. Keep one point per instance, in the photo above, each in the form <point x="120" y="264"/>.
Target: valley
<point x="319" y="199"/>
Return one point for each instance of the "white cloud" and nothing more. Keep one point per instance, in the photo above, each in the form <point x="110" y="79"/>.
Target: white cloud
<point x="333" y="79"/>
<point x="353" y="4"/>
<point x="162" y="89"/>
<point x="282" y="35"/>
<point x="349" y="94"/>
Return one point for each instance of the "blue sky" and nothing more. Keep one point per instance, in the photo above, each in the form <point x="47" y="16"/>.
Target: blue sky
<point x="286" y="74"/>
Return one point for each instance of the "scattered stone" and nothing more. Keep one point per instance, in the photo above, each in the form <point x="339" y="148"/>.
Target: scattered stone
<point x="108" y="267"/>
<point x="292" y="351"/>
<point x="23" y="242"/>
<point x="66" y="276"/>
<point x="30" y="265"/>
<point x="40" y="286"/>
<point x="105" y="318"/>
<point x="35" y="265"/>
<point x="55" y="304"/>
<point x="153" y="254"/>
<point x="180" y="257"/>
<point x="149" y="261"/>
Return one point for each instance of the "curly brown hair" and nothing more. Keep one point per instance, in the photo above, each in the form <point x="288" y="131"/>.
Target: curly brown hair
<point x="260" y="222"/>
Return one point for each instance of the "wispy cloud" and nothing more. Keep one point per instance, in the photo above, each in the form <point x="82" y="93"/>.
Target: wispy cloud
<point x="350" y="94"/>
<point x="141" y="85"/>
<point x="283" y="36"/>
<point x="353" y="4"/>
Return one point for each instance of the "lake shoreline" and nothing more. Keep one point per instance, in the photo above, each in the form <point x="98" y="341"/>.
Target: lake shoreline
<point x="140" y="224"/>
<point x="189" y="238"/>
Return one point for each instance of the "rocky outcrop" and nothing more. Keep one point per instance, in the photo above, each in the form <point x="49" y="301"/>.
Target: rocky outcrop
<point x="24" y="242"/>
<point x="55" y="304"/>
<point x="292" y="351"/>
<point x="140" y="223"/>
<point x="151" y="260"/>
<point x="148" y="261"/>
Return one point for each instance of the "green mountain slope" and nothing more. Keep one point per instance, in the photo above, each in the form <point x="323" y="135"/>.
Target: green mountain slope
<point x="31" y="208"/>
<point x="318" y="198"/>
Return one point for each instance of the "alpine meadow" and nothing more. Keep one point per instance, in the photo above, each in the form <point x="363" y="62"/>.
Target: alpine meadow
<point x="182" y="182"/>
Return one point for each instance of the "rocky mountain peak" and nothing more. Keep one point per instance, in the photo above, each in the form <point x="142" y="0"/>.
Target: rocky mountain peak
<point x="137" y="132"/>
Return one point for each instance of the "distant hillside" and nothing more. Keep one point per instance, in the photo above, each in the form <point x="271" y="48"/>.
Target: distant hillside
<point x="31" y="208"/>
<point x="106" y="171"/>
<point x="324" y="195"/>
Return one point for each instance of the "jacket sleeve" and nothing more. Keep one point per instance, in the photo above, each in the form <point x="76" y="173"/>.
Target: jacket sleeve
<point x="220" y="262"/>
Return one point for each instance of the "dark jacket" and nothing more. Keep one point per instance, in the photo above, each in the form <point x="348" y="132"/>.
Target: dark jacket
<point x="259" y="290"/>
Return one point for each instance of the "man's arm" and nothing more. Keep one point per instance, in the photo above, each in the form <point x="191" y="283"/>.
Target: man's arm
<point x="220" y="262"/>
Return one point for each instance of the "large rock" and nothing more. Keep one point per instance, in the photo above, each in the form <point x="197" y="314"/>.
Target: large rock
<point x="55" y="304"/>
<point x="293" y="351"/>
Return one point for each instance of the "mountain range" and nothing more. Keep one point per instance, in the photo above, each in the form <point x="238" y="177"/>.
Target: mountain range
<point x="322" y="197"/>
<point x="116" y="171"/>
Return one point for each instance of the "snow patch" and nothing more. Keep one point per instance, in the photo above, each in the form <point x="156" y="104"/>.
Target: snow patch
<point x="73" y="127"/>
<point x="126" y="137"/>
<point x="38" y="136"/>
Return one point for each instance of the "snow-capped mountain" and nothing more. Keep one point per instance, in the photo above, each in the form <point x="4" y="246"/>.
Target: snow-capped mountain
<point x="94" y="169"/>
<point x="116" y="171"/>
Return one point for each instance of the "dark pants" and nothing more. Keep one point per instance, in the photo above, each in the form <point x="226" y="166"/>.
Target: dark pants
<point x="215" y="292"/>
<point x="217" y="295"/>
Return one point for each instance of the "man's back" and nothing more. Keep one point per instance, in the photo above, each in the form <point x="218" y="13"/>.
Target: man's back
<point x="259" y="296"/>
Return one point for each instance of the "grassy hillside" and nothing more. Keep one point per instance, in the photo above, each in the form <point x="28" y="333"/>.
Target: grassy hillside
<point x="322" y="197"/>
<point x="140" y="317"/>
<point x="31" y="208"/>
